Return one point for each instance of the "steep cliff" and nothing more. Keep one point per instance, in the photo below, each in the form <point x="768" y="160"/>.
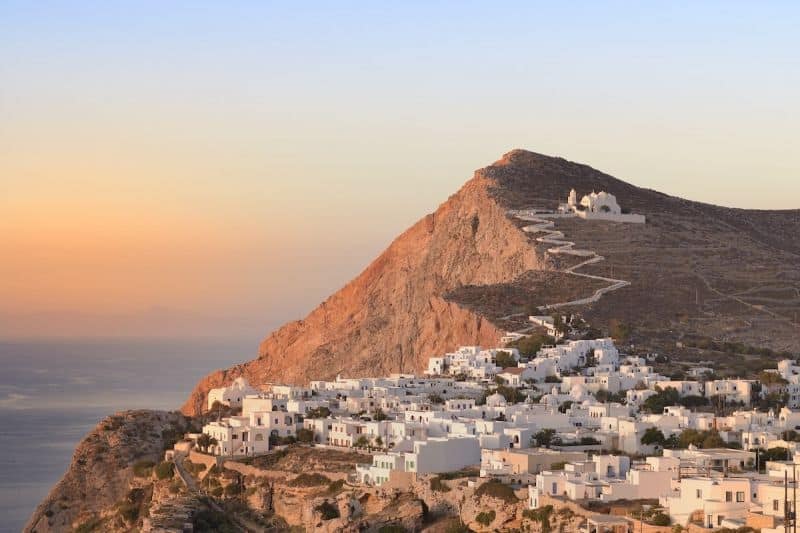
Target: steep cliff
<point x="97" y="487"/>
<point x="451" y="278"/>
<point x="393" y="316"/>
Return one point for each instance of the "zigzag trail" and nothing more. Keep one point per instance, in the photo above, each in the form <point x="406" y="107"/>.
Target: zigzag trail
<point x="556" y="237"/>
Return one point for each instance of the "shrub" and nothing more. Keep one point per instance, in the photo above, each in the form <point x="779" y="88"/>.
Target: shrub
<point x="336" y="486"/>
<point x="660" y="519"/>
<point x="305" y="435"/>
<point x="318" y="412"/>
<point x="438" y="486"/>
<point x="328" y="510"/>
<point x="208" y="520"/>
<point x="165" y="470"/>
<point x="495" y="489"/>
<point x="217" y="491"/>
<point x="541" y="515"/>
<point x="129" y="512"/>
<point x="234" y="489"/>
<point x="310" y="480"/>
<point x="93" y="524"/>
<point x="143" y="468"/>
<point x="485" y="517"/>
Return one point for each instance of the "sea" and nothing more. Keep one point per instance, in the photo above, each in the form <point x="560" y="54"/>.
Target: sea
<point x="53" y="392"/>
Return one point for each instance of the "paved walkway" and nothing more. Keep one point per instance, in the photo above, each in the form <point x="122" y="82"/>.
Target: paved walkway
<point x="561" y="246"/>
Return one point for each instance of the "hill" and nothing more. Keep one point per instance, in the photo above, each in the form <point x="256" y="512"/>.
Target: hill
<point x="460" y="274"/>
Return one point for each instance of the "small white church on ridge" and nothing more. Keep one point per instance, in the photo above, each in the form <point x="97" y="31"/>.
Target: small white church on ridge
<point x="598" y="206"/>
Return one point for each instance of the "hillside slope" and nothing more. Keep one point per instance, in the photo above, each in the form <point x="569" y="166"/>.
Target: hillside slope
<point x="452" y="277"/>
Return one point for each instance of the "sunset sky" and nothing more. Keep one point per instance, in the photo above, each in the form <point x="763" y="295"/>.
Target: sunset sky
<point x="217" y="168"/>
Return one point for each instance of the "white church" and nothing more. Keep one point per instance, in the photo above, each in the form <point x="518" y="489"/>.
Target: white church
<point x="597" y="206"/>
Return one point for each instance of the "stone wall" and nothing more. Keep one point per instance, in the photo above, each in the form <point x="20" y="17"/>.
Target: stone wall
<point x="202" y="458"/>
<point x="247" y="470"/>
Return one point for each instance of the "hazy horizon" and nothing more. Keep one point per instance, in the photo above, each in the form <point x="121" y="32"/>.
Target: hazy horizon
<point x="220" y="170"/>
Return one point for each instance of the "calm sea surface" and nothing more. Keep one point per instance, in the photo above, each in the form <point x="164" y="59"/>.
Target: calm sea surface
<point x="53" y="392"/>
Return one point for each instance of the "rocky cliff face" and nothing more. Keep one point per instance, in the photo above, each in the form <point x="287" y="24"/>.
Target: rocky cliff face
<point x="100" y="479"/>
<point x="448" y="280"/>
<point x="393" y="316"/>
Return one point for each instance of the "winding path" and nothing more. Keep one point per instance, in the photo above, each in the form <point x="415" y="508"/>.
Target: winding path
<point x="561" y="246"/>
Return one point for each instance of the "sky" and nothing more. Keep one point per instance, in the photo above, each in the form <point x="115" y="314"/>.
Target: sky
<point x="218" y="168"/>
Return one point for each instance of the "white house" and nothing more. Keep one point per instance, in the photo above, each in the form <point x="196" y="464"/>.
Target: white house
<point x="231" y="395"/>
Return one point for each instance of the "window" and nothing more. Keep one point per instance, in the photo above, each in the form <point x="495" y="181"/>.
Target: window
<point x="776" y="505"/>
<point x="728" y="496"/>
<point x="698" y="494"/>
<point x="740" y="496"/>
<point x="720" y="518"/>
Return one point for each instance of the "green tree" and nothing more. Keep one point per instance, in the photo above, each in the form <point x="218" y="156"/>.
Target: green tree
<point x="305" y="435"/>
<point x="546" y="438"/>
<point x="529" y="346"/>
<point x="318" y="412"/>
<point x="653" y="436"/>
<point x="660" y="400"/>
<point x="505" y="359"/>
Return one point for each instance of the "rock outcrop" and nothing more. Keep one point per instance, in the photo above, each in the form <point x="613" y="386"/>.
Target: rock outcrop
<point x="428" y="292"/>
<point x="101" y="475"/>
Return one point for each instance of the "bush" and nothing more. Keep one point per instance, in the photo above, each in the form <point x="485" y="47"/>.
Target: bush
<point x="318" y="412"/>
<point x="217" y="491"/>
<point x="505" y="359"/>
<point x="208" y="520"/>
<point x="305" y="435"/>
<point x="541" y="515"/>
<point x="165" y="470"/>
<point x="437" y="485"/>
<point x="234" y="489"/>
<point x="143" y="468"/>
<point x="485" y="517"/>
<point x="310" y="480"/>
<point x="93" y="524"/>
<point x="495" y="489"/>
<point x="335" y="486"/>
<point x="660" y="519"/>
<point x="328" y="510"/>
<point x="129" y="512"/>
<point x="529" y="346"/>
